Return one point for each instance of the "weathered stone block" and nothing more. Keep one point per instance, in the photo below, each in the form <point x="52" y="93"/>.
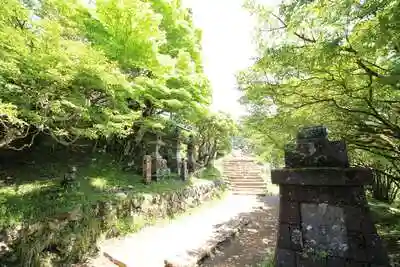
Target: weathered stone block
<point x="296" y="238"/>
<point x="312" y="133"/>
<point x="353" y="217"/>
<point x="323" y="229"/>
<point x="376" y="250"/>
<point x="285" y="258"/>
<point x="331" y="206"/>
<point x="357" y="247"/>
<point x="322" y="176"/>
<point x="335" y="262"/>
<point x="290" y="237"/>
<point x="289" y="212"/>
<point x="307" y="261"/>
<point x="306" y="194"/>
<point x="367" y="225"/>
<point x="316" y="153"/>
<point x="288" y="192"/>
<point x="352" y="263"/>
<point x="284" y="236"/>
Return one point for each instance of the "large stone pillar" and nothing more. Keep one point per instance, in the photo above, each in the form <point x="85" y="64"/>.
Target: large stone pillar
<point x="324" y="217"/>
<point x="191" y="154"/>
<point x="173" y="155"/>
<point x="154" y="147"/>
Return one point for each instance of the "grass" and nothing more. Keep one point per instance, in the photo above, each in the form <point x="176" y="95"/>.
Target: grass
<point x="35" y="195"/>
<point x="268" y="262"/>
<point x="209" y="173"/>
<point x="38" y="197"/>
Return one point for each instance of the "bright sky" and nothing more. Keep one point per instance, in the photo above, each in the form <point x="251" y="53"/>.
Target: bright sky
<point x="227" y="47"/>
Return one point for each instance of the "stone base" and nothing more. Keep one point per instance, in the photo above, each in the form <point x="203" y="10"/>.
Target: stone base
<point x="348" y="236"/>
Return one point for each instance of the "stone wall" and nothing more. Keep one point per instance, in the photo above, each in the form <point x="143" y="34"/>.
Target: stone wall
<point x="324" y="217"/>
<point x="20" y="241"/>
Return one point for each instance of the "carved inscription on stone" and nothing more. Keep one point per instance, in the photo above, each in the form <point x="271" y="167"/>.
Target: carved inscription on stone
<point x="324" y="230"/>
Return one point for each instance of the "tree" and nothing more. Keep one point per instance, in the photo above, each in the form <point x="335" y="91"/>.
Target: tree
<point x="77" y="71"/>
<point x="53" y="84"/>
<point x="214" y="135"/>
<point x="329" y="62"/>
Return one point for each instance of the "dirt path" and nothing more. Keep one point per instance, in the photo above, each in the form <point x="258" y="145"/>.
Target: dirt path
<point x="255" y="242"/>
<point x="185" y="240"/>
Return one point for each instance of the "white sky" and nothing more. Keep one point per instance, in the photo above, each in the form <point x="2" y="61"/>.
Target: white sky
<point x="227" y="47"/>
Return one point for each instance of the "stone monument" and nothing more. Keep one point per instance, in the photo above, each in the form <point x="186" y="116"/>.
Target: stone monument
<point x="190" y="154"/>
<point x="147" y="169"/>
<point x="324" y="217"/>
<point x="157" y="160"/>
<point x="184" y="173"/>
<point x="173" y="151"/>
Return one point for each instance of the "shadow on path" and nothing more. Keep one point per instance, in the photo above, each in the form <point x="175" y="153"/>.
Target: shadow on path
<point x="254" y="242"/>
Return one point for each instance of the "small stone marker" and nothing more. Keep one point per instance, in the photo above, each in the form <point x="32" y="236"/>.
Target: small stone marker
<point x="324" y="217"/>
<point x="147" y="169"/>
<point x="184" y="173"/>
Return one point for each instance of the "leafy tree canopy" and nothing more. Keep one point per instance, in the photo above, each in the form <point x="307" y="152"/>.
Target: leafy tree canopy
<point x="335" y="63"/>
<point x="75" y="70"/>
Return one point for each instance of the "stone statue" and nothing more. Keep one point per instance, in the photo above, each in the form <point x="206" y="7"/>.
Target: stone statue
<point x="314" y="132"/>
<point x="69" y="180"/>
<point x="184" y="174"/>
<point x="163" y="171"/>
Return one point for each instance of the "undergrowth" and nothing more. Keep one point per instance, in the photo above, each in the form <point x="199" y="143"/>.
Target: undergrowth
<point x="268" y="262"/>
<point x="37" y="193"/>
<point x="387" y="221"/>
<point x="209" y="173"/>
<point x="36" y="197"/>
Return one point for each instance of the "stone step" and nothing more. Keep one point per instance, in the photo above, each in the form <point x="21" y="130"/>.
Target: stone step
<point x="245" y="178"/>
<point x="242" y="174"/>
<point x="234" y="182"/>
<point x="242" y="170"/>
<point x="257" y="189"/>
<point x="245" y="175"/>
<point x="257" y="178"/>
<point x="245" y="164"/>
<point x="248" y="183"/>
<point x="239" y="173"/>
<point x="237" y="169"/>
<point x="241" y="166"/>
<point x="258" y="186"/>
<point x="255" y="185"/>
<point x="249" y="193"/>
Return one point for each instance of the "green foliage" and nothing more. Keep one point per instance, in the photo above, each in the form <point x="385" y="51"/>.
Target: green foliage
<point x="214" y="134"/>
<point x="71" y="68"/>
<point x="33" y="198"/>
<point x="36" y="203"/>
<point x="267" y="263"/>
<point x="93" y="75"/>
<point x="328" y="62"/>
<point x="210" y="173"/>
<point x="387" y="217"/>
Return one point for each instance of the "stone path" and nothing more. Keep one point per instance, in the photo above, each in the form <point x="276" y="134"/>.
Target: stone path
<point x="255" y="241"/>
<point x="184" y="240"/>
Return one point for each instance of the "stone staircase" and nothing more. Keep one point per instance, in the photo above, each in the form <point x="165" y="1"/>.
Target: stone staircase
<point x="244" y="176"/>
